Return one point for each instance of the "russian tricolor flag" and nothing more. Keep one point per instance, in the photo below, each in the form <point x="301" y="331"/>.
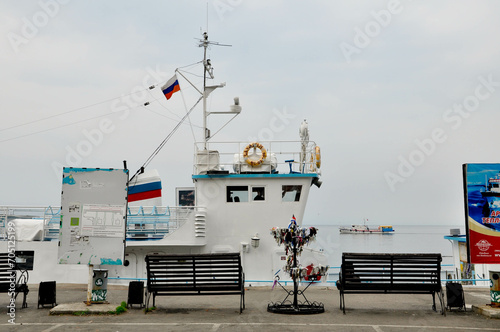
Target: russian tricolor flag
<point x="171" y="87"/>
<point x="144" y="191"/>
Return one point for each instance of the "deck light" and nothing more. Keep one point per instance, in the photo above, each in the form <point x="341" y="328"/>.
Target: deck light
<point x="255" y="241"/>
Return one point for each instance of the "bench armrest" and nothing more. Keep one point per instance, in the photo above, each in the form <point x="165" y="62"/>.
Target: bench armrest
<point x="23" y="278"/>
<point x="340" y="281"/>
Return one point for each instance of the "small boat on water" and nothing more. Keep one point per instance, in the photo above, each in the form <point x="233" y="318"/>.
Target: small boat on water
<point x="363" y="229"/>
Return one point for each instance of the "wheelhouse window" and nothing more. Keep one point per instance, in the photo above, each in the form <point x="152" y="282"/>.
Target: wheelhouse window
<point x="237" y="194"/>
<point x="185" y="196"/>
<point x="258" y="194"/>
<point x="291" y="193"/>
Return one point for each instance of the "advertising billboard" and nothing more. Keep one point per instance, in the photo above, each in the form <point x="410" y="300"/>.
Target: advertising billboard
<point x="482" y="212"/>
<point x="93" y="216"/>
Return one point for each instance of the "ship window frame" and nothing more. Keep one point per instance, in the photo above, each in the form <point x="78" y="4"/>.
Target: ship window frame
<point x="233" y="192"/>
<point x="263" y="188"/>
<point x="287" y="192"/>
<point x="181" y="200"/>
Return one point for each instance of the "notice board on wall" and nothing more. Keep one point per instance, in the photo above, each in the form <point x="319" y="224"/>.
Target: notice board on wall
<point x="482" y="212"/>
<point x="93" y="216"/>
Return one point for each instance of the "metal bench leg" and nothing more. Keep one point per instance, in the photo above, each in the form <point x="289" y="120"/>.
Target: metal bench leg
<point x="25" y="292"/>
<point x="441" y="301"/>
<point x="148" y="294"/>
<point x="434" y="301"/>
<point x="242" y="301"/>
<point x="342" y="302"/>
<point x="25" y="304"/>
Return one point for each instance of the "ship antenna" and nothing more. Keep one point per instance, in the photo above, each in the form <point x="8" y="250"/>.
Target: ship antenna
<point x="235" y="109"/>
<point x="207" y="70"/>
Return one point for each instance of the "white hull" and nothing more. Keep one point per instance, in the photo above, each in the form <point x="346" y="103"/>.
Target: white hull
<point x="214" y="225"/>
<point x="349" y="231"/>
<point x="363" y="229"/>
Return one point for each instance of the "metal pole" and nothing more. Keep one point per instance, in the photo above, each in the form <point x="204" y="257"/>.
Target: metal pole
<point x="204" y="91"/>
<point x="89" y="286"/>
<point x="295" y="283"/>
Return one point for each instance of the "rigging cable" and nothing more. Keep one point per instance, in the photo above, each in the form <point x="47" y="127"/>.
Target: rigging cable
<point x="189" y="119"/>
<point x="162" y="144"/>
<point x="62" y="126"/>
<point x="71" y="111"/>
<point x="166" y="108"/>
<point x="84" y="120"/>
<point x="79" y="109"/>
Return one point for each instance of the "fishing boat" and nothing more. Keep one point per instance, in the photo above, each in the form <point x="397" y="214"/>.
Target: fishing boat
<point x="490" y="194"/>
<point x="364" y="229"/>
<point x="239" y="190"/>
<point x="492" y="188"/>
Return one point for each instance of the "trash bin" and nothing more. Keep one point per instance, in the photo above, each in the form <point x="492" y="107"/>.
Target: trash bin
<point x="135" y="293"/>
<point x="455" y="296"/>
<point x="99" y="286"/>
<point x="495" y="288"/>
<point x="47" y="293"/>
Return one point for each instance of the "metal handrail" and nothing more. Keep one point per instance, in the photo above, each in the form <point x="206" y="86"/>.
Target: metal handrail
<point x="226" y="151"/>
<point x="153" y="221"/>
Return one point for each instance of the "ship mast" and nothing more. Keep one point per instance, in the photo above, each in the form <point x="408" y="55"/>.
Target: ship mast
<point x="233" y="109"/>
<point x="208" y="72"/>
<point x="207" y="68"/>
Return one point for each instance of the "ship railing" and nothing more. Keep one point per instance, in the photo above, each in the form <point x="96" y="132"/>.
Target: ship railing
<point x="147" y="222"/>
<point x="36" y="213"/>
<point x="143" y="222"/>
<point x="3" y="223"/>
<point x="156" y="222"/>
<point x="283" y="157"/>
<point x="51" y="223"/>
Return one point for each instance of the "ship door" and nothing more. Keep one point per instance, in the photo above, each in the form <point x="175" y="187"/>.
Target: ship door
<point x="279" y="261"/>
<point x="130" y="266"/>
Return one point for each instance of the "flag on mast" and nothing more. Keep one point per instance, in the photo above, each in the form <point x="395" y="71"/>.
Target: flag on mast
<point x="171" y="87"/>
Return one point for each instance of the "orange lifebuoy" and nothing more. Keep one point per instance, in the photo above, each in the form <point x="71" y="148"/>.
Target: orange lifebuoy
<point x="255" y="145"/>
<point x="318" y="157"/>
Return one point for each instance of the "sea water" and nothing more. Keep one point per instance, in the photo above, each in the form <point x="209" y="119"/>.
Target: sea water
<point x="405" y="239"/>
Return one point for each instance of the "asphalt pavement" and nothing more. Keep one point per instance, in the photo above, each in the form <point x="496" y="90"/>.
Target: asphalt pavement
<point x="365" y="312"/>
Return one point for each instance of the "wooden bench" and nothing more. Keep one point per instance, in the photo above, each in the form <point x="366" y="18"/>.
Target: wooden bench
<point x="371" y="273"/>
<point x="8" y="275"/>
<point x="195" y="274"/>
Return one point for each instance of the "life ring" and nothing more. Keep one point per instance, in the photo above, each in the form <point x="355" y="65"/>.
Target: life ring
<point x="255" y="145"/>
<point x="318" y="156"/>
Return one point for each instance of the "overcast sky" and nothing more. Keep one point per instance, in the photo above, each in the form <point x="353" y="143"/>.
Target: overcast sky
<point x="398" y="94"/>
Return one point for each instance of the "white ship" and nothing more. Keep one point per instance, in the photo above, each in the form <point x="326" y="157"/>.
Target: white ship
<point x="238" y="192"/>
<point x="492" y="188"/>
<point x="364" y="229"/>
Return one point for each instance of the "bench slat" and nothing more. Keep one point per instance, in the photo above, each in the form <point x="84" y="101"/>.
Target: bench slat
<point x="196" y="274"/>
<point x="390" y="273"/>
<point x="8" y="278"/>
